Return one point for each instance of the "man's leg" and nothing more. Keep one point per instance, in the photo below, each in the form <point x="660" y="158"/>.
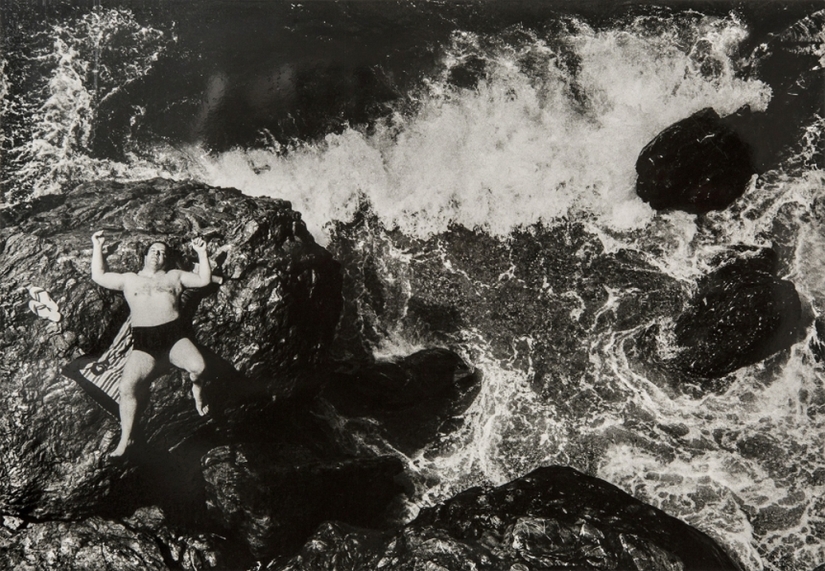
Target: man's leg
<point x="186" y="356"/>
<point x="134" y="392"/>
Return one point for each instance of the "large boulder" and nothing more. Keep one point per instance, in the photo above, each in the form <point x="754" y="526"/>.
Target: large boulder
<point x="552" y="518"/>
<point x="272" y="499"/>
<point x="271" y="318"/>
<point x="740" y="314"/>
<point x="697" y="165"/>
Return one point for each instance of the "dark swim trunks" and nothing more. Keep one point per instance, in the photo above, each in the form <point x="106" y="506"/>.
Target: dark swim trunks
<point x="158" y="340"/>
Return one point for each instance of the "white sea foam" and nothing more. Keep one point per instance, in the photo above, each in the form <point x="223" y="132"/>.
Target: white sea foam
<point x="520" y="148"/>
<point x="89" y="60"/>
<point x="535" y="140"/>
<point x="5" y="103"/>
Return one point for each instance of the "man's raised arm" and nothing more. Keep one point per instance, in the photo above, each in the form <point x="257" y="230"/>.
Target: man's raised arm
<point x="204" y="275"/>
<point x="100" y="276"/>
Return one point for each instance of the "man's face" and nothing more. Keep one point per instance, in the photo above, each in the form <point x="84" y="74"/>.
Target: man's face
<point x="155" y="257"/>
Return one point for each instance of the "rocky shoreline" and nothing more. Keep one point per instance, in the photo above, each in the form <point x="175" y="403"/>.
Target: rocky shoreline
<point x="267" y="479"/>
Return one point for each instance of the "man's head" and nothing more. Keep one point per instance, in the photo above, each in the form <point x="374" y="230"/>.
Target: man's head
<point x="156" y="256"/>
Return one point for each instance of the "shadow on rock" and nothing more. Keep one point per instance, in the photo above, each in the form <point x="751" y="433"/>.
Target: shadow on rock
<point x="241" y="413"/>
<point x="284" y="468"/>
<point x="272" y="498"/>
<point x="152" y="476"/>
<point x="552" y="518"/>
<point x="413" y="398"/>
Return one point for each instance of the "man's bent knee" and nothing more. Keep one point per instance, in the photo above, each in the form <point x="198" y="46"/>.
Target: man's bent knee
<point x="195" y="365"/>
<point x="197" y="370"/>
<point x="186" y="356"/>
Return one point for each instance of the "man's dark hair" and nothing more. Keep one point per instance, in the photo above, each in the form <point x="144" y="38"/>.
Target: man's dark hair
<point x="150" y="244"/>
<point x="171" y="260"/>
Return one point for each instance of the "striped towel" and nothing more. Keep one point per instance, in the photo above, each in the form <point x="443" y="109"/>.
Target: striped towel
<point x="100" y="376"/>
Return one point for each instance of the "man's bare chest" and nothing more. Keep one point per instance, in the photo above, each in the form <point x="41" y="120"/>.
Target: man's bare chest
<point x="151" y="287"/>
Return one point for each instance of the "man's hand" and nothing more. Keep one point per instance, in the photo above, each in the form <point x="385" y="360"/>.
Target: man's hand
<point x="199" y="245"/>
<point x="98" y="239"/>
<point x="202" y="276"/>
<point x="102" y="277"/>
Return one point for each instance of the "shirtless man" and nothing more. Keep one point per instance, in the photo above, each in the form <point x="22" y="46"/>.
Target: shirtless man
<point x="160" y="338"/>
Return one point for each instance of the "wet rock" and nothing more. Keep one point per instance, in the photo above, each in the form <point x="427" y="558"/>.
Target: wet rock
<point x="346" y="548"/>
<point x="140" y="541"/>
<point x="413" y="397"/>
<point x="552" y="518"/>
<point x="697" y="165"/>
<point x="741" y="314"/>
<point x="92" y="544"/>
<point x="273" y="316"/>
<point x="272" y="499"/>
<point x="190" y="549"/>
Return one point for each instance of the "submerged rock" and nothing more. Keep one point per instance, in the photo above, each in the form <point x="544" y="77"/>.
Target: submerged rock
<point x="697" y="165"/>
<point x="552" y="518"/>
<point x="412" y="398"/>
<point x="533" y="301"/>
<point x="740" y="314"/>
<point x="271" y="318"/>
<point x="272" y="501"/>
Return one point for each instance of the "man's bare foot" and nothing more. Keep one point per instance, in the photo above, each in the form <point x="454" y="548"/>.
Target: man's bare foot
<point x="203" y="409"/>
<point x="122" y="447"/>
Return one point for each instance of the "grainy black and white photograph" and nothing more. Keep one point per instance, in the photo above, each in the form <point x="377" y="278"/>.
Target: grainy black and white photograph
<point x="412" y="285"/>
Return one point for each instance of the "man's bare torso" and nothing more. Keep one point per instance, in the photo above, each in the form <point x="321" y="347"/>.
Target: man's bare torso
<point x="153" y="300"/>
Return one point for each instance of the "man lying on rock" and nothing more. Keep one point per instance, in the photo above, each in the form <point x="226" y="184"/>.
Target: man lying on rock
<point x="160" y="336"/>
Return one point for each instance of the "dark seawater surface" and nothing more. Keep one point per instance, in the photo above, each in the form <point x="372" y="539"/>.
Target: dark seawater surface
<point x="482" y="154"/>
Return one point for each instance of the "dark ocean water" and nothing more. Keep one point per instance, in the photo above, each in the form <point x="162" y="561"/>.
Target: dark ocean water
<point x="221" y="74"/>
<point x="394" y="126"/>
